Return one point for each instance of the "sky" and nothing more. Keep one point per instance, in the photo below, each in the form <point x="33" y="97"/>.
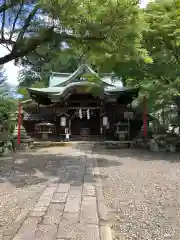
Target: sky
<point x="143" y="3"/>
<point x="12" y="70"/>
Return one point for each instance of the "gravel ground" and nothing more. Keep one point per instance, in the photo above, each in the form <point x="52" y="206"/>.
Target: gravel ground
<point x="142" y="191"/>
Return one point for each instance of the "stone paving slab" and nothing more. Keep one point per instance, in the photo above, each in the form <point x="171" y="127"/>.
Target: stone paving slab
<point x="89" y="190"/>
<point x="89" y="232"/>
<point x="59" y="197"/>
<point x="73" y="203"/>
<point x="28" y="229"/>
<point x="54" y="213"/>
<point x="46" y="232"/>
<point x="88" y="213"/>
<point x="63" y="188"/>
<point x="46" y="197"/>
<point x="69" y="226"/>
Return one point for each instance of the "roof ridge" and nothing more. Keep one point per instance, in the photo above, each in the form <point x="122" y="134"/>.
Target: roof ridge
<point x="60" y="73"/>
<point x="78" y="72"/>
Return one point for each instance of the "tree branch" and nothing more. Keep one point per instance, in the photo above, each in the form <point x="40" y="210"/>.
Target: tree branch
<point x="6" y="46"/>
<point x="3" y="23"/>
<point x="16" y="18"/>
<point x="29" y="47"/>
<point x="65" y="36"/>
<point x="5" y="6"/>
<point x="34" y="43"/>
<point x="7" y="41"/>
<point x="24" y="28"/>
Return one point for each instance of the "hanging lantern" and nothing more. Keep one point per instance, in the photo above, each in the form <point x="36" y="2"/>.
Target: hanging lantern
<point x="135" y="104"/>
<point x="63" y="121"/>
<point x="80" y="113"/>
<point x="105" y="121"/>
<point x="88" y="114"/>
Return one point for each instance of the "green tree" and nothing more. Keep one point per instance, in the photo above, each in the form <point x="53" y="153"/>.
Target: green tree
<point x="24" y="27"/>
<point x="160" y="80"/>
<point x="3" y="84"/>
<point x="115" y="25"/>
<point x="23" y="90"/>
<point x="39" y="65"/>
<point x="7" y="106"/>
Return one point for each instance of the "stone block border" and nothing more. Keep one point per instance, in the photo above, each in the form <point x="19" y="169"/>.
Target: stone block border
<point x="104" y="228"/>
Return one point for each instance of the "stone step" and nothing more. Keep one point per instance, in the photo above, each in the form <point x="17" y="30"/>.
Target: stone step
<point x="52" y="144"/>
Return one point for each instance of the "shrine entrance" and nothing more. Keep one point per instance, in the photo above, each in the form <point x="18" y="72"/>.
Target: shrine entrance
<point x="85" y="124"/>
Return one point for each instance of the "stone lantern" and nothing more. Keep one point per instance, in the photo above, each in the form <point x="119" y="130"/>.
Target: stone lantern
<point x="45" y="129"/>
<point x="26" y="141"/>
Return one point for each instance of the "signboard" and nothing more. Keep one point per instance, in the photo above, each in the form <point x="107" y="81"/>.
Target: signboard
<point x="105" y="121"/>
<point x="128" y="115"/>
<point x="33" y="117"/>
<point x="37" y="117"/>
<point x="63" y="121"/>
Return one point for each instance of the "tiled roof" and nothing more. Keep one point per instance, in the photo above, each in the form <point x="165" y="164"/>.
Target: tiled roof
<point x="62" y="79"/>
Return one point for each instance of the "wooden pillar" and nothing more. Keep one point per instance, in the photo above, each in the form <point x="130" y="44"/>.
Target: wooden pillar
<point x="19" y="121"/>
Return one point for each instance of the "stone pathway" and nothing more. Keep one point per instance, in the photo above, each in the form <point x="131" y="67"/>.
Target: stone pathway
<point x="66" y="204"/>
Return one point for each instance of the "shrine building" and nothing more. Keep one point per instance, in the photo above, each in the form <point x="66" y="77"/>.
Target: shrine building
<point x="83" y="104"/>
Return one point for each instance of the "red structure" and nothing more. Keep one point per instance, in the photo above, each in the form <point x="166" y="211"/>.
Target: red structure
<point x="19" y="122"/>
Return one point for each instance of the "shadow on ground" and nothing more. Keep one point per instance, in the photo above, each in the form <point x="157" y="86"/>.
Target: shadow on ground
<point x="34" y="167"/>
<point x="140" y="155"/>
<point x="126" y="153"/>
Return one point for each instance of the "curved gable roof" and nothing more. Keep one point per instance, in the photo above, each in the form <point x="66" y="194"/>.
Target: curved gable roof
<point x="63" y="79"/>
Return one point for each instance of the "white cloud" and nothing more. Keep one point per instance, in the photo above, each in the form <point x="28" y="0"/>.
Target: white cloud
<point x="11" y="69"/>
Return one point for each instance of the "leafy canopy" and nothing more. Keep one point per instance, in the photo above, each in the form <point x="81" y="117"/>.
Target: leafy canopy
<point x="160" y="80"/>
<point x="111" y="27"/>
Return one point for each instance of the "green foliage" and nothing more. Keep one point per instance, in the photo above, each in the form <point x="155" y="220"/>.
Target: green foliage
<point x="7" y="109"/>
<point x="159" y="80"/>
<point x="23" y="90"/>
<point x="98" y="32"/>
<point x="7" y="117"/>
<point x="3" y="83"/>
<point x="113" y="27"/>
<point x="95" y="85"/>
<point x="41" y="63"/>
